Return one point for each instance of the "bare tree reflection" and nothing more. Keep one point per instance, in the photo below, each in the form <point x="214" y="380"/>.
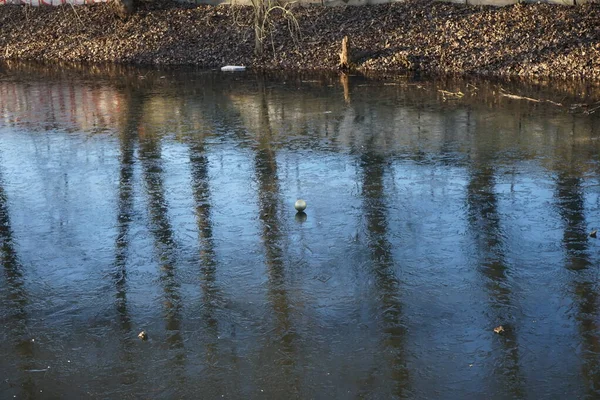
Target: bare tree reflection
<point x="486" y="227"/>
<point x="16" y="300"/>
<point x="268" y="190"/>
<point x="124" y="214"/>
<point x="570" y="202"/>
<point x="388" y="285"/>
<point x="164" y="242"/>
<point x="211" y="295"/>
<point x="17" y="297"/>
<point x="571" y="207"/>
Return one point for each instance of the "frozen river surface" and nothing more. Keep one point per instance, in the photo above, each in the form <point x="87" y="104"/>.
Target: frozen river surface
<point x="163" y="201"/>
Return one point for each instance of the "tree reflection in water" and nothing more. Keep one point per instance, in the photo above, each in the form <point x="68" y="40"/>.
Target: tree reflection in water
<point x="388" y="286"/>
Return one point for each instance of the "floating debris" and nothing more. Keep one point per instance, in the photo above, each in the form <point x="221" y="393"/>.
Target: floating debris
<point x="143" y="335"/>
<point x="594" y="233"/>
<point x="300" y="205"/>
<point x="233" y="68"/>
<point x="448" y="95"/>
<point x="38" y="370"/>
<point x="499" y="329"/>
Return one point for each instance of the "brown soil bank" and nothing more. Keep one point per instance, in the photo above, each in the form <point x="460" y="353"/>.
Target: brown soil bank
<point x="532" y="40"/>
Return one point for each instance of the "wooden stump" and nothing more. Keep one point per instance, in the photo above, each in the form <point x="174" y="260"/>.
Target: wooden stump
<point x="345" y="54"/>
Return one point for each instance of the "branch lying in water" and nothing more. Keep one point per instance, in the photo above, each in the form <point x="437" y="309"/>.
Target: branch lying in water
<point x="583" y="107"/>
<point x="456" y="95"/>
<point x="514" y="96"/>
<point x="589" y="108"/>
<point x="37" y="370"/>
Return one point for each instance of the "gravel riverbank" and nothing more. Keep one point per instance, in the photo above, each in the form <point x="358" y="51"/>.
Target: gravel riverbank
<point x="527" y="40"/>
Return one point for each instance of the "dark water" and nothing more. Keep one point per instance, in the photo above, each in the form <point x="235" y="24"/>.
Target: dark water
<point x="163" y="201"/>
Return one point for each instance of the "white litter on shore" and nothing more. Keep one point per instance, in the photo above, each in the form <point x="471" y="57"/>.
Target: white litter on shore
<point x="233" y="68"/>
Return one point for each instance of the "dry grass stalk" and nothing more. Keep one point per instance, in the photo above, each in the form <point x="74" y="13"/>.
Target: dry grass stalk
<point x="264" y="22"/>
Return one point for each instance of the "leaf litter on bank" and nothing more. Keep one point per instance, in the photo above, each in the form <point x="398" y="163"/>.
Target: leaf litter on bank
<point x="526" y="40"/>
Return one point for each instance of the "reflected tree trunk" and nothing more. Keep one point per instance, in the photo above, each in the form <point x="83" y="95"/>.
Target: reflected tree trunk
<point x="485" y="224"/>
<point x="265" y="165"/>
<point x="12" y="268"/>
<point x="382" y="264"/>
<point x="15" y="300"/>
<point x="570" y="204"/>
<point x="125" y="212"/>
<point x="164" y="242"/>
<point x="212" y="299"/>
<point x="570" y="201"/>
<point x="131" y="118"/>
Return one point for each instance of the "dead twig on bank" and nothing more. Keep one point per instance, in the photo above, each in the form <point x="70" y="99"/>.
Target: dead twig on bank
<point x="26" y="11"/>
<point x="77" y="15"/>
